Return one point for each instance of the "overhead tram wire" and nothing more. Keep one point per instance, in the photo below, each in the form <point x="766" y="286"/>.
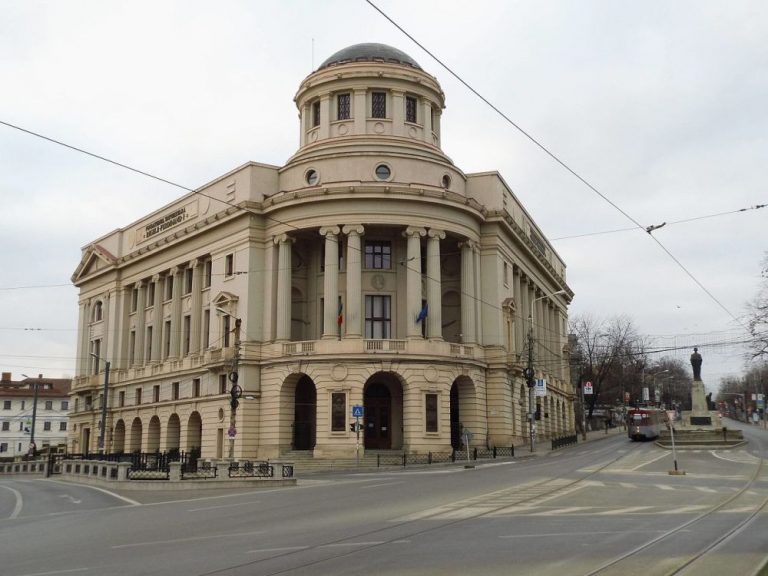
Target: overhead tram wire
<point x="553" y="157"/>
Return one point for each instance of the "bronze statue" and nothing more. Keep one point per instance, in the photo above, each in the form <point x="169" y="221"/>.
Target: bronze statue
<point x="696" y="364"/>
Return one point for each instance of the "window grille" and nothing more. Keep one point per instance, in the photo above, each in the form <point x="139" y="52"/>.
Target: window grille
<point x="410" y="109"/>
<point x="343" y="108"/>
<point x="379" y="105"/>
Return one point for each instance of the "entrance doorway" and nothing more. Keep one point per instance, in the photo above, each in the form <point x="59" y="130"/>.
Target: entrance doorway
<point x="305" y="410"/>
<point x="378" y="417"/>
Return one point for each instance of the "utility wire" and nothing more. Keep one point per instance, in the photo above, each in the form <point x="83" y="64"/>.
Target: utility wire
<point x="552" y="156"/>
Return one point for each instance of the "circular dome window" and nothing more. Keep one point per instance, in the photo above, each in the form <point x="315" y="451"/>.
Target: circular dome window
<point x="312" y="177"/>
<point x="446" y="181"/>
<point x="383" y="172"/>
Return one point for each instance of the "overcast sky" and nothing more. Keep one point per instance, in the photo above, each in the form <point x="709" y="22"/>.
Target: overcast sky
<point x="661" y="106"/>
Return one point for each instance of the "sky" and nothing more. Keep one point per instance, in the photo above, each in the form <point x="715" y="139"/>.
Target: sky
<point x="659" y="106"/>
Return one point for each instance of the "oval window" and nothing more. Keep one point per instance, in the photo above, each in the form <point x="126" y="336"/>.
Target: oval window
<point x="383" y="172"/>
<point x="446" y="181"/>
<point x="312" y="177"/>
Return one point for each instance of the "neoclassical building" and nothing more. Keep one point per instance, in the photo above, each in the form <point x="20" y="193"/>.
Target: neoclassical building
<point x="369" y="271"/>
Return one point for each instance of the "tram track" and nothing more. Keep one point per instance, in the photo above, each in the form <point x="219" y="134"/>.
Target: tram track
<point x="625" y="562"/>
<point x="535" y="491"/>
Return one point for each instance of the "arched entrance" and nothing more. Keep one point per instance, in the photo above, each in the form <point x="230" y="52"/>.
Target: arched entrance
<point x="136" y="431"/>
<point x="463" y="412"/>
<point x="118" y="439"/>
<point x="455" y="418"/>
<point x="153" y="435"/>
<point x="304" y="414"/>
<point x="194" y="431"/>
<point x="173" y="433"/>
<point x="383" y="420"/>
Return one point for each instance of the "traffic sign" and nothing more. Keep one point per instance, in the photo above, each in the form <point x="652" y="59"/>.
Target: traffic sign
<point x="357" y="411"/>
<point x="232" y="432"/>
<point x="587" y="387"/>
<point x="541" y="387"/>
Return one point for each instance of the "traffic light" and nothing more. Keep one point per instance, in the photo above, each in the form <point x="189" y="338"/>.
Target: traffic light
<point x="538" y="411"/>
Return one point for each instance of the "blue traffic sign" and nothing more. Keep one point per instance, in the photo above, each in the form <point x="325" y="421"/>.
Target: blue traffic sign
<point x="357" y="411"/>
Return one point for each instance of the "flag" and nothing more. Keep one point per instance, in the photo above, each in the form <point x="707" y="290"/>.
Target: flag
<point x="340" y="319"/>
<point x="423" y="314"/>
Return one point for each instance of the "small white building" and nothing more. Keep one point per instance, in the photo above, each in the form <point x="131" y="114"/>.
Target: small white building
<point x="17" y="407"/>
<point x="367" y="271"/>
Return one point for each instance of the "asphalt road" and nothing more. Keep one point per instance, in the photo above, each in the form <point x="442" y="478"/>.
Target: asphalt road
<point x="574" y="511"/>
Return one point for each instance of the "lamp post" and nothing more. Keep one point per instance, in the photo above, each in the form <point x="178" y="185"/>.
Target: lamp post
<point x="654" y="380"/>
<point x="104" y="396"/>
<point x="32" y="445"/>
<point x="236" y="390"/>
<point x="529" y="372"/>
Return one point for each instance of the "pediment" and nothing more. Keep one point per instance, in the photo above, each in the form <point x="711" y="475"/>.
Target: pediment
<point x="95" y="259"/>
<point x="226" y="301"/>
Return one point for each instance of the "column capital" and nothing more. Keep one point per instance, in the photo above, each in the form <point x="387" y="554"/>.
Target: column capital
<point x="439" y="234"/>
<point x="176" y="270"/>
<point x="351" y="229"/>
<point x="415" y="231"/>
<point x="141" y="283"/>
<point x="156" y="278"/>
<point x="197" y="262"/>
<point x="330" y="231"/>
<point x="283" y="239"/>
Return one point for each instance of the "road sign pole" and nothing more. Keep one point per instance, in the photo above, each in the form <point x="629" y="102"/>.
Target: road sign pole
<point x="357" y="446"/>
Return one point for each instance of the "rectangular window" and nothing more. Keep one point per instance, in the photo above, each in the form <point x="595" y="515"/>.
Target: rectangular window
<point x="377" y="317"/>
<point x="222" y="383"/>
<point x="65" y="405"/>
<point x="207" y="273"/>
<point x="134" y="299"/>
<point x="6" y="426"/>
<point x="196" y="387"/>
<point x="188" y="281"/>
<point x="132" y="347"/>
<point x="4" y="447"/>
<point x="150" y="294"/>
<point x="21" y="426"/>
<point x="206" y="328"/>
<point x="49" y="404"/>
<point x="168" y="287"/>
<point x="156" y="393"/>
<point x="430" y="416"/>
<point x="6" y="404"/>
<point x="120" y="399"/>
<point x="342" y="107"/>
<point x="138" y="397"/>
<point x="227" y="328"/>
<point x="174" y="390"/>
<point x="167" y="339"/>
<point x="23" y="403"/>
<point x="506" y="274"/>
<point x="379" y="105"/>
<point x="47" y="426"/>
<point x="316" y="113"/>
<point x="378" y="255"/>
<point x="187" y="323"/>
<point x="410" y="109"/>
<point x="338" y="412"/>
<point x="62" y="426"/>
<point x="149" y="343"/>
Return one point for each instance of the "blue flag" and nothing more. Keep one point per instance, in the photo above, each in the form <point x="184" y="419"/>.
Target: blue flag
<point x="423" y="314"/>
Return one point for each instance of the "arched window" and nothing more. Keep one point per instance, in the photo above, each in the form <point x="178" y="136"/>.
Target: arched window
<point x="98" y="311"/>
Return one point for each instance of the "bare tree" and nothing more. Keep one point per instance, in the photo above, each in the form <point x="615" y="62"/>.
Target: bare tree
<point x="604" y="349"/>
<point x="758" y="320"/>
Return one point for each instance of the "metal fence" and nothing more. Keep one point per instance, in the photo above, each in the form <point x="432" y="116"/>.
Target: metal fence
<point x="443" y="457"/>
<point x="563" y="441"/>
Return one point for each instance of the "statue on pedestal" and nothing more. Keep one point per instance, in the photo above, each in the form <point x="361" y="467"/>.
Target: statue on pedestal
<point x="696" y="364"/>
<point x="699" y="406"/>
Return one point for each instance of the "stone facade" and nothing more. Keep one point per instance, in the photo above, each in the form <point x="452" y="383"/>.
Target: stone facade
<point x="369" y="270"/>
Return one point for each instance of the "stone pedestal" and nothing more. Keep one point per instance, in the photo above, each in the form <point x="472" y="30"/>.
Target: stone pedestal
<point x="700" y="415"/>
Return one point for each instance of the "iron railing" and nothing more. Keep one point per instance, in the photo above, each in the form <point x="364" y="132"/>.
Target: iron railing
<point x="563" y="441"/>
<point x="443" y="457"/>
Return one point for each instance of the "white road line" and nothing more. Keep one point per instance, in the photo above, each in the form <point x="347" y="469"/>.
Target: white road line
<point x="284" y="549"/>
<point x="70" y="571"/>
<point x="342" y="544"/>
<point x="627" y="485"/>
<point x="587" y="534"/>
<point x="238" y="505"/>
<point x="113" y="494"/>
<point x="659" y="457"/>
<point x="664" y="487"/>
<point x="705" y="489"/>
<point x="558" y="511"/>
<point x="190" y="539"/>
<point x="380" y="485"/>
<point x="19" y="502"/>
<point x="685" y="509"/>
<point x="620" y="511"/>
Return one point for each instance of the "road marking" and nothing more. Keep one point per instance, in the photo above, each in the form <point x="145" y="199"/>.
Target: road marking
<point x="685" y="509"/>
<point x="627" y="485"/>
<point x="588" y="534"/>
<point x="620" y="511"/>
<point x="190" y="539"/>
<point x="664" y="487"/>
<point x="379" y="485"/>
<point x="109" y="492"/>
<point x="558" y="511"/>
<point x="705" y="489"/>
<point x="223" y="506"/>
<point x="70" y="571"/>
<point x="72" y="499"/>
<point x="659" y="457"/>
<point x="19" y="502"/>
<point x="284" y="549"/>
<point x="342" y="544"/>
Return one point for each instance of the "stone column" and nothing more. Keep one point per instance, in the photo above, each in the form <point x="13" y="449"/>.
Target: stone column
<point x="82" y="341"/>
<point x="197" y="306"/>
<point x="353" y="315"/>
<point x="141" y="324"/>
<point x="331" y="329"/>
<point x="434" y="285"/>
<point x="325" y="117"/>
<point x="284" y="244"/>
<point x="177" y="274"/>
<point x="520" y="314"/>
<point x="467" y="293"/>
<point x="398" y="113"/>
<point x="413" y="280"/>
<point x="270" y="291"/>
<point x="478" y="294"/>
<point x="157" y="320"/>
<point x="426" y="115"/>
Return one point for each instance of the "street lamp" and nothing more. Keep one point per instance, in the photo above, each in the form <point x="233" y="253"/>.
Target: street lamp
<point x="529" y="372"/>
<point x="34" y="417"/>
<point x="103" y="422"/>
<point x="236" y="390"/>
<point x="654" y="380"/>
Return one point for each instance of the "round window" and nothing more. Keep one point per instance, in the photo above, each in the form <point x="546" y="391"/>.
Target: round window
<point x="383" y="172"/>
<point x="312" y="177"/>
<point x="446" y="181"/>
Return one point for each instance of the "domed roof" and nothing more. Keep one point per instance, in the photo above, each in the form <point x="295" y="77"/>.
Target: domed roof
<point x="369" y="52"/>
